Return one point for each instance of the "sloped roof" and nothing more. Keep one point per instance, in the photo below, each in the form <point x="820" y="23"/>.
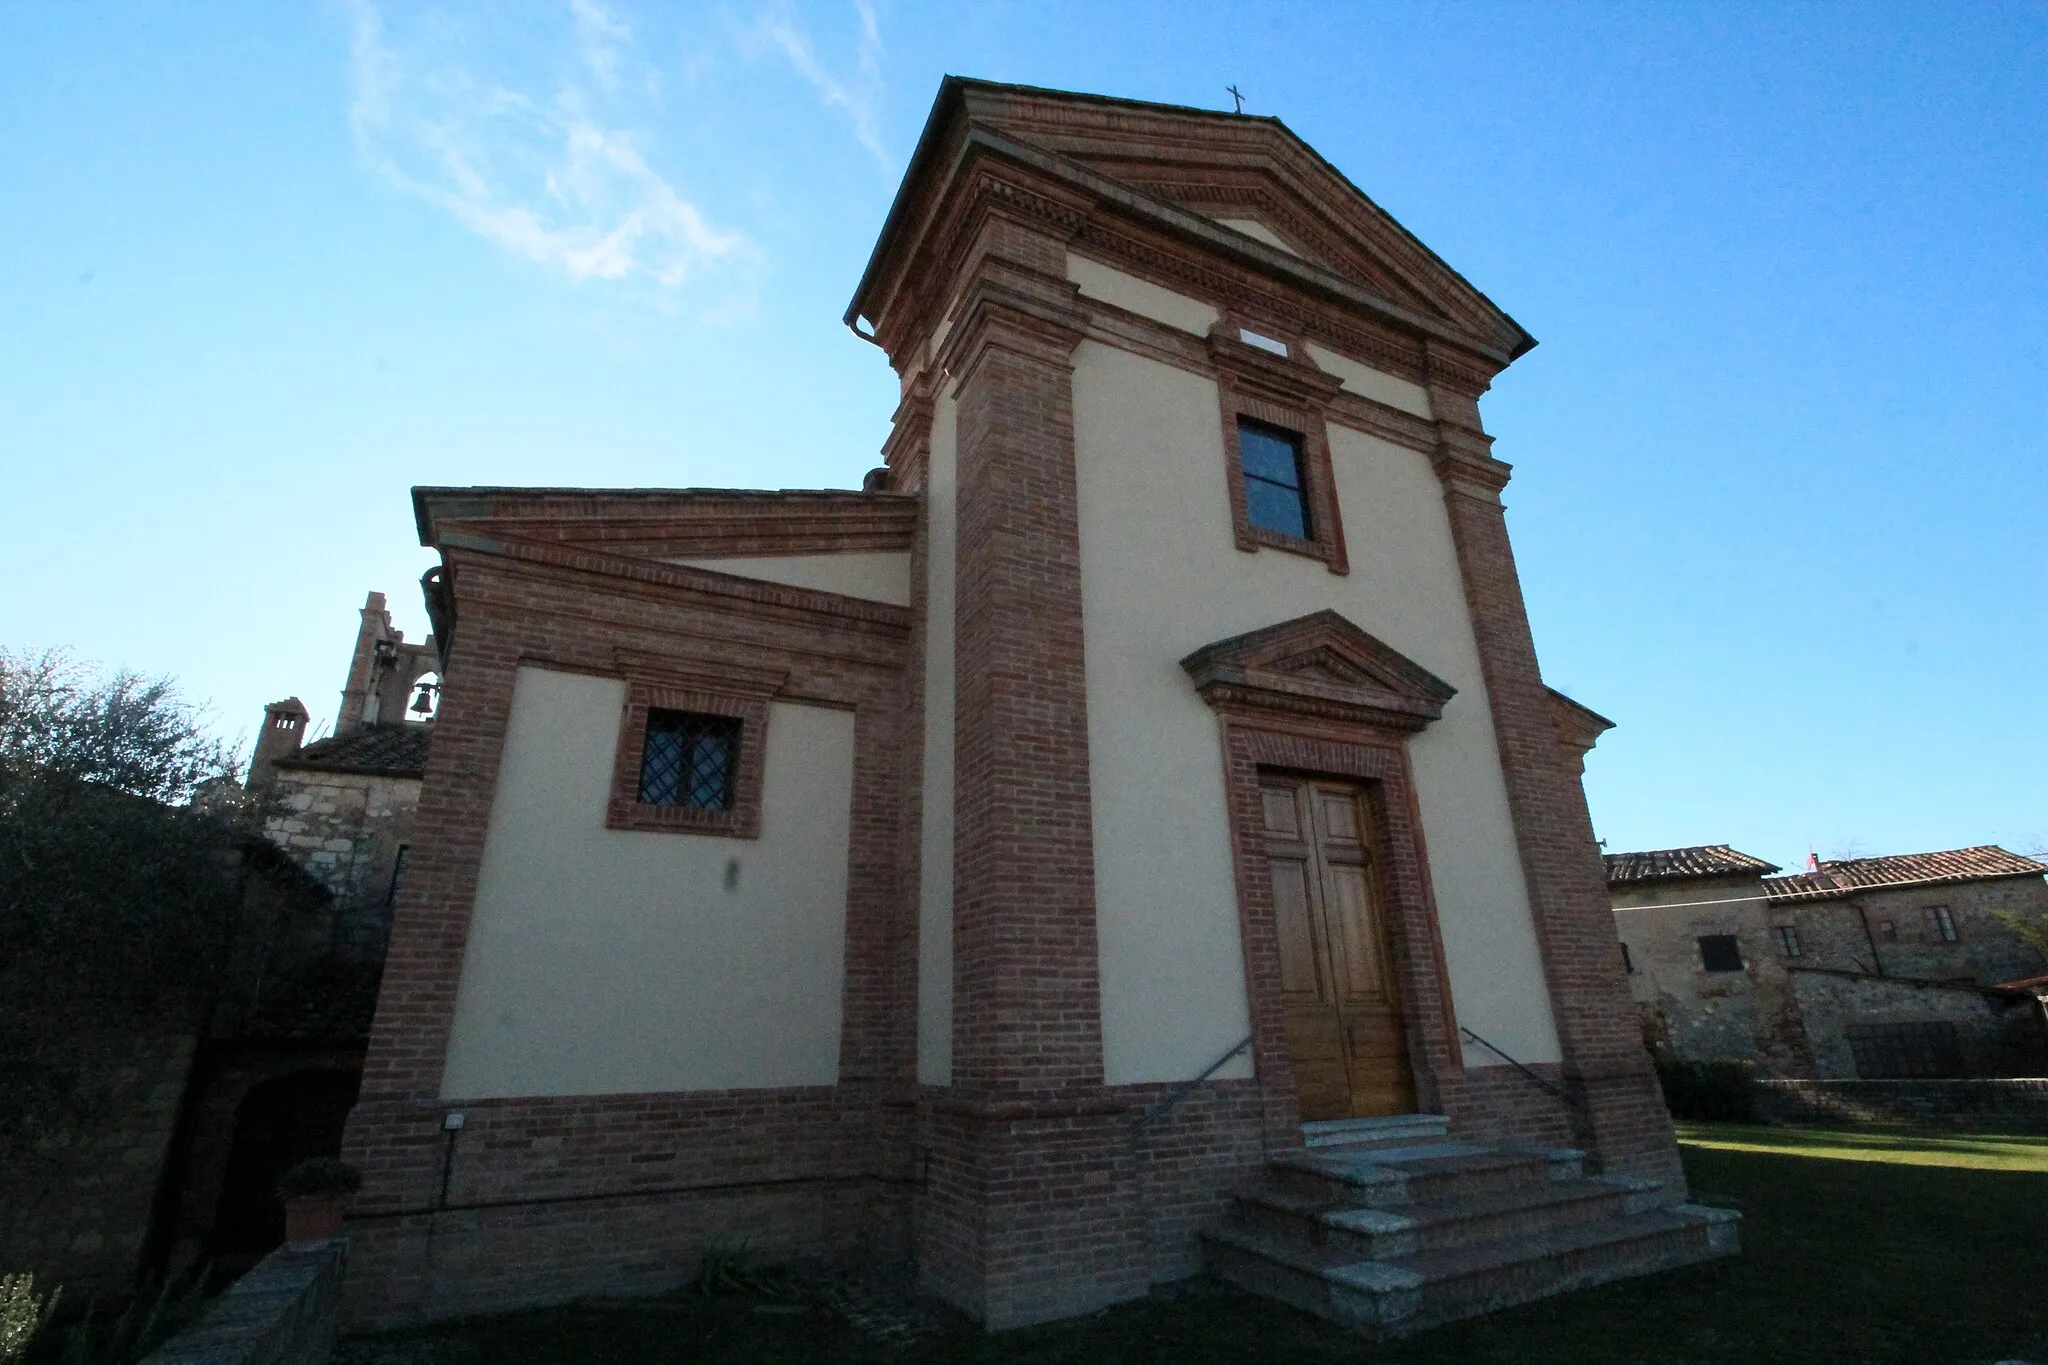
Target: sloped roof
<point x="1676" y="864"/>
<point x="1845" y="876"/>
<point x="379" y="750"/>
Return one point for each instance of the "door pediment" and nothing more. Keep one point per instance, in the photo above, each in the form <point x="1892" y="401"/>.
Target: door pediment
<point x="1320" y="665"/>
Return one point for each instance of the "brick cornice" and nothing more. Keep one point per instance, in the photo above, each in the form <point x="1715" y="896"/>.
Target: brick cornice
<point x="1466" y="467"/>
<point x="907" y="452"/>
<point x="1014" y="309"/>
<point x="673" y="523"/>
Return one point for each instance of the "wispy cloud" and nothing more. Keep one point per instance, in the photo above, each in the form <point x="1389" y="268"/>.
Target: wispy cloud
<point x="600" y="34"/>
<point x="858" y="96"/>
<point x="558" y="178"/>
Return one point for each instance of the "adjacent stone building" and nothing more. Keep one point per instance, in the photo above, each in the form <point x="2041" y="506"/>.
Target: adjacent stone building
<point x="1869" y="967"/>
<point x="998" y="865"/>
<point x="273" y="1079"/>
<point x="1693" y="924"/>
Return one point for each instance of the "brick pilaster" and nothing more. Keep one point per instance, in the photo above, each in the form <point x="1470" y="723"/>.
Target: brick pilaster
<point x="1033" y="1212"/>
<point x="1618" y="1110"/>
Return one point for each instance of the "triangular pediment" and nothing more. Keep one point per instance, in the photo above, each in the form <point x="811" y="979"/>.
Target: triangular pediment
<point x="1255" y="178"/>
<point x="1321" y="663"/>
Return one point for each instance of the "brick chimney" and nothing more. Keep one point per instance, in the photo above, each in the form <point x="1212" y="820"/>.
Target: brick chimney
<point x="284" y="730"/>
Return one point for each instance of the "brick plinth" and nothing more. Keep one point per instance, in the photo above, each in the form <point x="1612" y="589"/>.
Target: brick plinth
<point x="1032" y="1217"/>
<point x="1500" y="1104"/>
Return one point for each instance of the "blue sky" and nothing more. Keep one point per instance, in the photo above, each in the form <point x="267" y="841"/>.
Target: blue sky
<point x="1780" y="489"/>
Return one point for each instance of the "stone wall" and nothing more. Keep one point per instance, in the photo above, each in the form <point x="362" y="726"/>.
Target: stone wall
<point x="1696" y="1015"/>
<point x="79" y="1178"/>
<point x="284" y="1312"/>
<point x="1989" y="1029"/>
<point x="2018" y="1105"/>
<point x="345" y="830"/>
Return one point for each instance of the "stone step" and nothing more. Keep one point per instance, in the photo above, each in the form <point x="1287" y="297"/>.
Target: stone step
<point x="1391" y="1128"/>
<point x="1370" y="1233"/>
<point x="1390" y="1175"/>
<point x="1399" y="1295"/>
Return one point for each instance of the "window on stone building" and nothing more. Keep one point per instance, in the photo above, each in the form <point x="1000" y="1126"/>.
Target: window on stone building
<point x="398" y="874"/>
<point x="1275" y="489"/>
<point x="1788" y="939"/>
<point x="689" y="760"/>
<point x="1888" y="931"/>
<point x="1942" y="923"/>
<point x="1886" y="1052"/>
<point x="1720" y="953"/>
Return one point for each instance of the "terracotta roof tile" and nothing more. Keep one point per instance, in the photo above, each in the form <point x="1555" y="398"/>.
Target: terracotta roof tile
<point x="381" y="750"/>
<point x="1674" y="864"/>
<point x="1845" y="876"/>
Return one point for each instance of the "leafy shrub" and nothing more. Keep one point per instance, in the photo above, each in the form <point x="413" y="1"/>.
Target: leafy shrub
<point x="320" y="1176"/>
<point x="145" y="1325"/>
<point x="22" y="1314"/>
<point x="1711" y="1092"/>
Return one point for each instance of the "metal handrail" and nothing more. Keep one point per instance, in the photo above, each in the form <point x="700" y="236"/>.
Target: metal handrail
<point x="1187" y="1088"/>
<point x="1533" y="1077"/>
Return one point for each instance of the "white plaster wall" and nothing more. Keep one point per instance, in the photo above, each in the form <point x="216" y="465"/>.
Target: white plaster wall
<point x="935" y="884"/>
<point x="1161" y="577"/>
<point x="1252" y="227"/>
<point x="612" y="961"/>
<point x="877" y="576"/>
<point x="1367" y="382"/>
<point x="1147" y="300"/>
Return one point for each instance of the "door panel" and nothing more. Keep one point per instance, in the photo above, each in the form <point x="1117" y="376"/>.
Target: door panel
<point x="1355" y="922"/>
<point x="1344" y="1028"/>
<point x="1294" y="916"/>
<point x="1283" y="812"/>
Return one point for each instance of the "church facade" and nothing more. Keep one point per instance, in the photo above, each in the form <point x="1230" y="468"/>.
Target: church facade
<point x="999" y="865"/>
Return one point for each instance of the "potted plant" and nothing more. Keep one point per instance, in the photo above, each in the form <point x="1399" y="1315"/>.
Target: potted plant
<point x="315" y="1194"/>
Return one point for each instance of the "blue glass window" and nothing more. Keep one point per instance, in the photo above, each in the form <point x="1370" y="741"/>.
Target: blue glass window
<point x="1274" y="492"/>
<point x="689" y="760"/>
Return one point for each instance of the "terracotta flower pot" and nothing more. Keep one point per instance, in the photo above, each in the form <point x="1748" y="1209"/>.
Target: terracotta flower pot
<point x="312" y="1220"/>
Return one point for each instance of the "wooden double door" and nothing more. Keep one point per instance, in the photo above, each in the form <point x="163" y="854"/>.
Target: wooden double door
<point x="1344" y="1030"/>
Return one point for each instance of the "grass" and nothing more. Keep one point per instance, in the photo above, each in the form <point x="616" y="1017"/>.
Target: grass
<point x="1969" y="1151"/>
<point x="1859" y="1247"/>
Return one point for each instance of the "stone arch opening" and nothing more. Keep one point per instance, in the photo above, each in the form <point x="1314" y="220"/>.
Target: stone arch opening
<point x="280" y="1123"/>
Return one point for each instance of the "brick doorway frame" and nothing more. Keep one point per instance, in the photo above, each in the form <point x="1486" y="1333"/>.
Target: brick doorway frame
<point x="1319" y="697"/>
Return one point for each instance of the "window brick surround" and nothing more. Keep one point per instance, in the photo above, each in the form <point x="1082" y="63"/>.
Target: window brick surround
<point x="1292" y="393"/>
<point x="709" y="688"/>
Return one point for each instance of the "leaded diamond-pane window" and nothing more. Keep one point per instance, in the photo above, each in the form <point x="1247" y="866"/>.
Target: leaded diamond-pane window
<point x="1275" y="495"/>
<point x="690" y="760"/>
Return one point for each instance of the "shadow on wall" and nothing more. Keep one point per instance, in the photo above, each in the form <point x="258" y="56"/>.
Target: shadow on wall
<point x="281" y="1122"/>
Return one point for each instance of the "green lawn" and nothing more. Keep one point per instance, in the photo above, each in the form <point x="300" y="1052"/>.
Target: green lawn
<point x="1859" y="1247"/>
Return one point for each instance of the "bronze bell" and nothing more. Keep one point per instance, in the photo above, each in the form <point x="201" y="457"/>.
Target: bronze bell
<point x="423" y="704"/>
